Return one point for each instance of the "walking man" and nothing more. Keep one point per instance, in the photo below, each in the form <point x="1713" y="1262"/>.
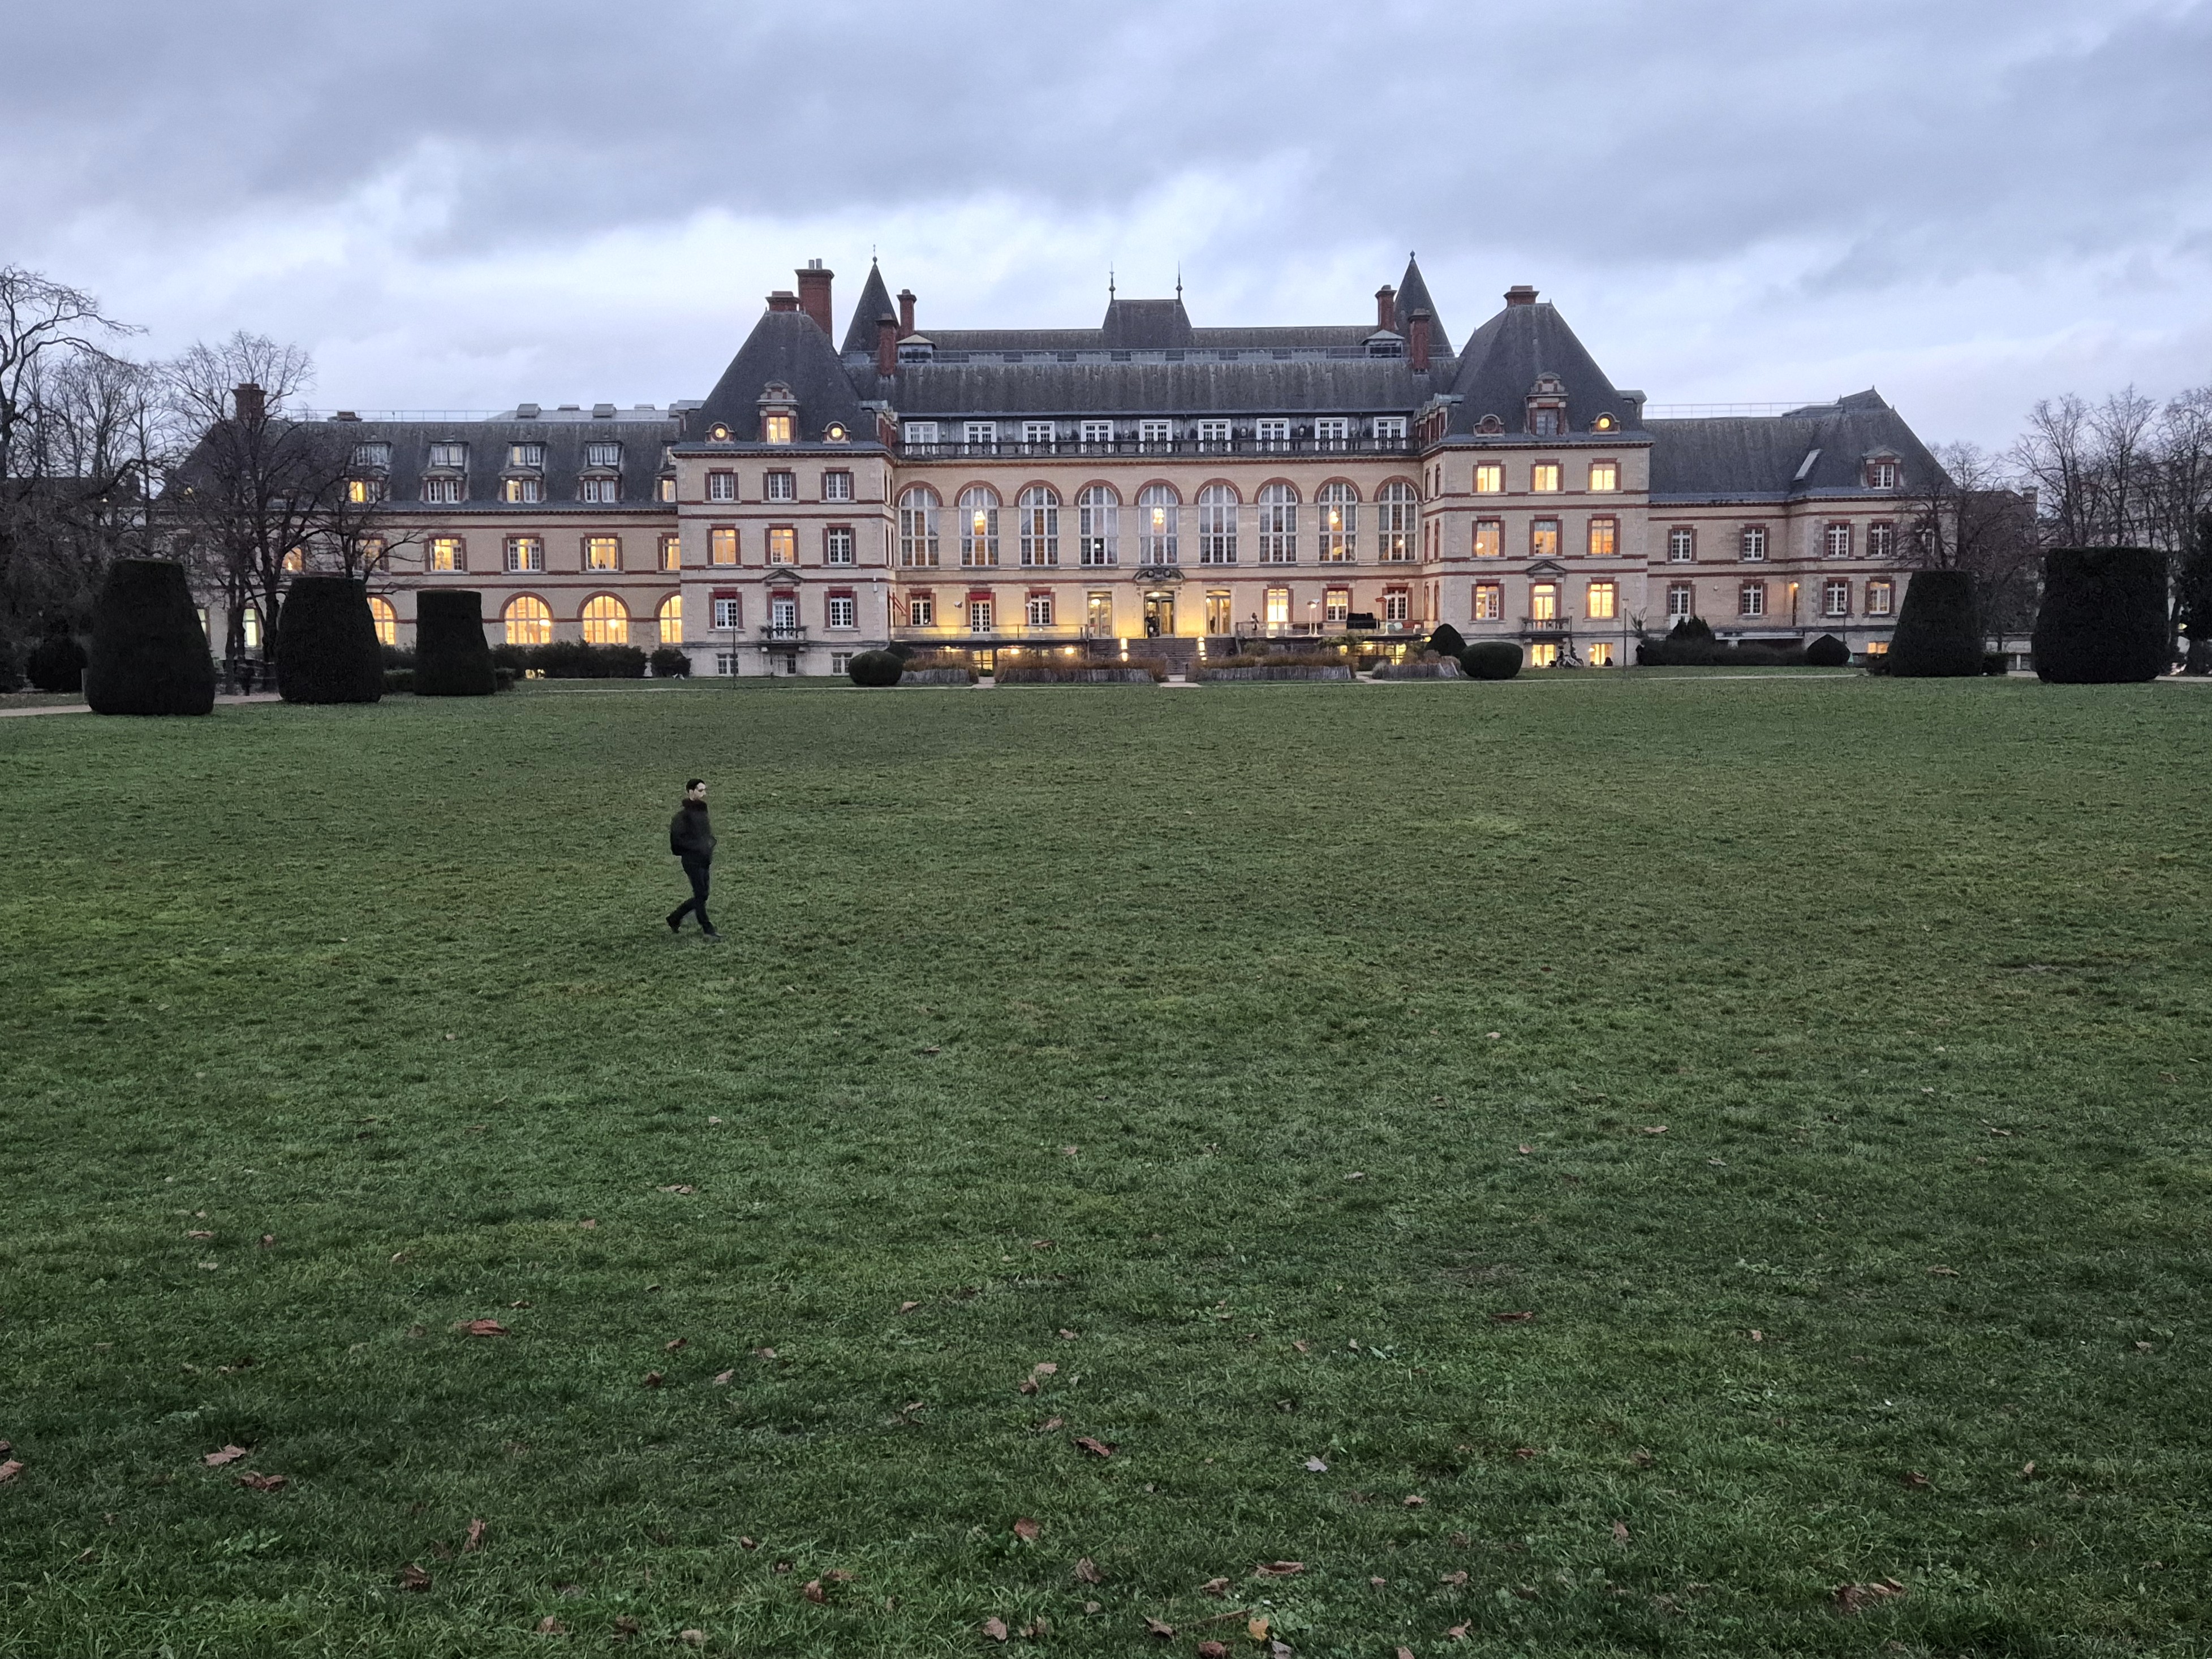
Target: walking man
<point x="691" y="838"/>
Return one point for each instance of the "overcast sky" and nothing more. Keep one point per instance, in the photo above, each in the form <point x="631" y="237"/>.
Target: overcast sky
<point x="1968" y="203"/>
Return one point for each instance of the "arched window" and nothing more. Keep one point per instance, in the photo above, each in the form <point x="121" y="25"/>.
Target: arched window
<point x="385" y="618"/>
<point x="1338" y="505"/>
<point x="1216" y="525"/>
<point x="979" y="525"/>
<point x="1278" y="523"/>
<point x="1156" y="523"/>
<point x="1040" y="525"/>
<point x="528" y="621"/>
<point x="1097" y="525"/>
<point x="671" y="620"/>
<point x="606" y="621"/>
<point x="918" y="527"/>
<point x="1394" y="519"/>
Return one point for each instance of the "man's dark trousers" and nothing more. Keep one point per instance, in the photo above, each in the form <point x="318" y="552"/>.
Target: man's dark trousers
<point x="696" y="871"/>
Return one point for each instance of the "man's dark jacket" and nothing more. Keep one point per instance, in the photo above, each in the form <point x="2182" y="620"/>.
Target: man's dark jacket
<point x="689" y="835"/>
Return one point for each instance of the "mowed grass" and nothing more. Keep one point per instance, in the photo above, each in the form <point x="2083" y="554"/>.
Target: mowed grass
<point x="1671" y="1147"/>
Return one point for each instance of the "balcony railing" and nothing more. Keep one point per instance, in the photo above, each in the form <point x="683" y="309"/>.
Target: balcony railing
<point x="910" y="449"/>
<point x="781" y="633"/>
<point x="1546" y="624"/>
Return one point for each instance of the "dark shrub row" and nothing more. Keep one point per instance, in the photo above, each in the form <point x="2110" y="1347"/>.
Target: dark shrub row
<point x="149" y="653"/>
<point x="670" y="664"/>
<point x="571" y="659"/>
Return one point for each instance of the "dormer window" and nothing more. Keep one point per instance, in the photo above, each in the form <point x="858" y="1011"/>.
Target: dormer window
<point x="836" y="434"/>
<point x="449" y="455"/>
<point x="779" y="412"/>
<point x="1547" y="406"/>
<point x="1604" y="423"/>
<point x="1490" y="426"/>
<point x="603" y="455"/>
<point x="718" y="433"/>
<point x="1881" y="473"/>
<point x="776" y="428"/>
<point x="529" y="456"/>
<point x="371" y="458"/>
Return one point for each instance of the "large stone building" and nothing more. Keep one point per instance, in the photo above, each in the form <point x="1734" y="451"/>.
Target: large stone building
<point x="1153" y="487"/>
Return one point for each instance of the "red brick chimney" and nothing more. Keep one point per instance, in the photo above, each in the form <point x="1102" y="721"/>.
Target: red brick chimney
<point x="1386" y="308"/>
<point x="783" y="299"/>
<point x="814" y="293"/>
<point x="247" y="402"/>
<point x="906" y="312"/>
<point x="1521" y="294"/>
<point x="887" y="339"/>
<point x="1417" y="327"/>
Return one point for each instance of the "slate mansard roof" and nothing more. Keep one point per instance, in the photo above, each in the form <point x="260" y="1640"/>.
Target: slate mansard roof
<point x="642" y="439"/>
<point x="1819" y="450"/>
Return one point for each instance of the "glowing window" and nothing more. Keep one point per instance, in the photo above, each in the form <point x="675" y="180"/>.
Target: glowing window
<point x="722" y="546"/>
<point x="775" y="428"/>
<point x="979" y="525"/>
<point x="525" y="553"/>
<point x="295" y="560"/>
<point x="782" y="544"/>
<point x="1098" y="618"/>
<point x="1544" y="478"/>
<point x="1097" y="525"/>
<point x="1279" y="606"/>
<point x="1605" y="475"/>
<point x="1337" y="506"/>
<point x="671" y="552"/>
<point x="529" y="622"/>
<point x="1156" y="523"/>
<point x="385" y="618"/>
<point x="445" y="553"/>
<point x="1544" y="539"/>
<point x="671" y="616"/>
<point x="1880" y="595"/>
<point x="1544" y="653"/>
<point x="1489" y="477"/>
<point x="1489" y="602"/>
<point x="1489" y="538"/>
<point x="1335" y="604"/>
<point x="1600" y="653"/>
<point x="522" y="489"/>
<point x="1599" y="602"/>
<point x="1544" y="602"/>
<point x="362" y="491"/>
<point x="602" y="553"/>
<point x="667" y="488"/>
<point x="606" y="621"/>
<point x="1394" y="520"/>
<point x="1604" y="538"/>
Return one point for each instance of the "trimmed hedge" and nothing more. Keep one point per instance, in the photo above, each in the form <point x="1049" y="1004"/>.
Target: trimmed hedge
<point x="326" y="646"/>
<point x="397" y="680"/>
<point x="1447" y="642"/>
<point x="670" y="664"/>
<point x="876" y="668"/>
<point x="572" y="659"/>
<point x="149" y="653"/>
<point x="1939" y="635"/>
<point x="2103" y="619"/>
<point x="1491" y="659"/>
<point x="57" y="663"/>
<point x="1444" y="668"/>
<point x="1828" y="652"/>
<point x="451" y="659"/>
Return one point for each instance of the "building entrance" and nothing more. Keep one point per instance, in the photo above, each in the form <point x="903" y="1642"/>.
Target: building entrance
<point x="1159" y="615"/>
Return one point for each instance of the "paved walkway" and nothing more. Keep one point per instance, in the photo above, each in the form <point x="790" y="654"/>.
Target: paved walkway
<point x="84" y="709"/>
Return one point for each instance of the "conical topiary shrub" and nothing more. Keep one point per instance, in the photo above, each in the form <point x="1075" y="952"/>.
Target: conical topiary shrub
<point x="1828" y="652"/>
<point x="326" y="644"/>
<point x="1689" y="644"/>
<point x="451" y="659"/>
<point x="1938" y="635"/>
<point x="149" y="653"/>
<point x="1490" y="660"/>
<point x="2103" y="619"/>
<point x="1447" y="642"/>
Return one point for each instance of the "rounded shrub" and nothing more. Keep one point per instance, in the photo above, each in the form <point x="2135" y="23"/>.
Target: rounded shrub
<point x="670" y="664"/>
<point x="149" y="653"/>
<point x="326" y="644"/>
<point x="1938" y="635"/>
<point x="1447" y="642"/>
<point x="1993" y="663"/>
<point x="451" y="657"/>
<point x="2103" y="618"/>
<point x="1828" y="652"/>
<point x="57" y="663"/>
<point x="1490" y="660"/>
<point x="876" y="668"/>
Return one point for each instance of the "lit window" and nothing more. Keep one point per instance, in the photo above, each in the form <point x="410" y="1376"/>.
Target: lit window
<point x="1274" y="435"/>
<point x="1881" y="475"/>
<point x="837" y="486"/>
<point x="1278" y="523"/>
<point x="1156" y="525"/>
<point x="372" y="552"/>
<point x="1039" y="611"/>
<point x="1600" y="653"/>
<point x="667" y="488"/>
<point x="525" y="455"/>
<point x="602" y="454"/>
<point x="602" y="553"/>
<point x="1682" y="545"/>
<point x="671" y="616"/>
<point x="1605" y="476"/>
<point x="837" y="545"/>
<point x="1098" y="435"/>
<point x="1750" y="599"/>
<point x="1604" y="538"/>
<point x="782" y="544"/>
<point x="1544" y="602"/>
<point x="921" y="435"/>
<point x="1876" y="648"/>
<point x="606" y="621"/>
<point x="782" y="487"/>
<point x="1599" y="602"/>
<point x="385" y="618"/>
<point x="1603" y="423"/>
<point x="1489" y="538"/>
<point x="1389" y="429"/>
<point x="445" y="553"/>
<point x="1544" y="478"/>
<point x="1394" y="520"/>
<point x="835" y="432"/>
<point x="979" y="615"/>
<point x="363" y="492"/>
<point x="1837" y="541"/>
<point x="1156" y="436"/>
<point x="1879" y="595"/>
<point x="979" y="525"/>
<point x="1099" y="620"/>
<point x="249" y="626"/>
<point x="1881" y="541"/>
<point x="729" y="612"/>
<point x="1279" y="606"/>
<point x="1753" y="544"/>
<point x="1835" y="598"/>
<point x="1489" y="477"/>
<point x="529" y="622"/>
<point x="1335" y="604"/>
<point x="1332" y="432"/>
<point x="920" y="610"/>
<point x="449" y="455"/>
<point x="442" y="491"/>
<point x="1038" y="435"/>
<point x="1214" y="436"/>
<point x="1680" y="601"/>
<point x="522" y="489"/>
<point x="1220" y="612"/>
<point x="1544" y="653"/>
<point x="722" y="546"/>
<point x="295" y="561"/>
<point x="722" y="486"/>
<point x="980" y="435"/>
<point x="1039" y="507"/>
<point x="1544" y="539"/>
<point x="671" y="552"/>
<point x="1489" y="602"/>
<point x="525" y="553"/>
<point x="844" y="611"/>
<point x="1216" y="525"/>
<point x="918" y="527"/>
<point x="775" y="428"/>
<point x="1397" y="607"/>
<point x="1097" y="525"/>
<point x="1337" y="506"/>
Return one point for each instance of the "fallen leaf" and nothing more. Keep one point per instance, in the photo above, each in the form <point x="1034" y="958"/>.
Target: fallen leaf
<point x="763" y="1353"/>
<point x="268" y="1240"/>
<point x="1067" y="1335"/>
<point x="748" y="1543"/>
<point x="1094" y="1447"/>
<point x="412" y="1578"/>
<point x="654" y="1379"/>
<point x="588" y="1221"/>
<point x="1050" y="1423"/>
<point x="1158" y="1627"/>
<point x="11" y="1468"/>
<point x="1524" y="1452"/>
<point x="262" y="1482"/>
<point x="722" y="1378"/>
<point x="1279" y="1569"/>
<point x="931" y="1050"/>
<point x="1520" y="1318"/>
<point x="1086" y="1572"/>
<point x="1620" y="1532"/>
<point x="812" y="1591"/>
<point x="1655" y="1129"/>
<point x="1758" y="1336"/>
<point x="482" y="1327"/>
<point x="692" y="1638"/>
<point x="838" y="1575"/>
<point x="1036" y="1628"/>
<point x="626" y="1627"/>
<point x="1404" y="1653"/>
<point x="475" y="1540"/>
<point x="1376" y="1583"/>
<point x="1044" y="1367"/>
<point x="1415" y="1501"/>
<point x="1456" y="1580"/>
<point x="1213" y="1651"/>
<point x="1256" y="1629"/>
<point x="996" y="1629"/>
<point x="1852" y="1599"/>
<point x="908" y="1307"/>
<point x="215" y="1460"/>
<point x="1091" y="1606"/>
<point x="681" y="1188"/>
<point x="1027" y="1385"/>
<point x="1357" y="1175"/>
<point x="548" y="1626"/>
<point x="1525" y="1151"/>
<point x="1302" y="1346"/>
<point x="198" y="1232"/>
<point x="1214" y="1587"/>
<point x="1457" y="1632"/>
<point x="2027" y="1470"/>
<point x="2143" y="1347"/>
<point x="1942" y="1272"/>
<point x="1027" y="1530"/>
<point x="1915" y="1480"/>
<point x="518" y="1305"/>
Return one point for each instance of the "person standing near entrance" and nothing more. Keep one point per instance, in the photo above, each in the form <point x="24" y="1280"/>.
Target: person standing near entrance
<point x="691" y="838"/>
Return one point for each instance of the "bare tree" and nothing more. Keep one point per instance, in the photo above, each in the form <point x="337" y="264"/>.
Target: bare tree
<point x="1971" y="515"/>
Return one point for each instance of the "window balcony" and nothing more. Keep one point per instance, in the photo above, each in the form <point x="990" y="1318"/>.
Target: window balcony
<point x="1547" y="625"/>
<point x="781" y="633"/>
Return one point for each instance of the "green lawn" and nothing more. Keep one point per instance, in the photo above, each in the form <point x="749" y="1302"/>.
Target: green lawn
<point x="1286" y="1065"/>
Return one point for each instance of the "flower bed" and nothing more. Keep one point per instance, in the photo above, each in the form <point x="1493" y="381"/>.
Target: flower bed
<point x="1133" y="672"/>
<point x="1445" y="670"/>
<point x="1288" y="671"/>
<point x="938" y="677"/>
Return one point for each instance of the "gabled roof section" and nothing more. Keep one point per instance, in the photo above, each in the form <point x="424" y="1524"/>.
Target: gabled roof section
<point x="1145" y="324"/>
<point x="1820" y="450"/>
<point x="875" y="301"/>
<point x="1414" y="296"/>
<point x="785" y="347"/>
<point x="1499" y="366"/>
